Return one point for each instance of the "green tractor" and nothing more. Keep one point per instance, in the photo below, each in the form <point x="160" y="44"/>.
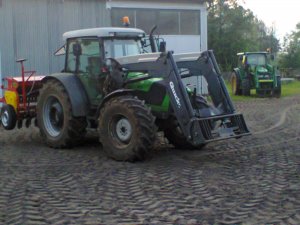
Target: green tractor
<point x="255" y="71"/>
<point x="126" y="86"/>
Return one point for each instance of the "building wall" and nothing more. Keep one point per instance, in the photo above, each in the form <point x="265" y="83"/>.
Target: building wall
<point x="33" y="29"/>
<point x="190" y="35"/>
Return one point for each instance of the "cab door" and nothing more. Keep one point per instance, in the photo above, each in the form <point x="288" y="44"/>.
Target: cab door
<point x="84" y="58"/>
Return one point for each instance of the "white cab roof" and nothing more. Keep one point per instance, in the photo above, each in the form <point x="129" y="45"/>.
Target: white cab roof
<point x="103" y="32"/>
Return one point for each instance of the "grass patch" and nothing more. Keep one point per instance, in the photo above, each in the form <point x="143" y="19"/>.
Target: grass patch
<point x="290" y="89"/>
<point x="287" y="89"/>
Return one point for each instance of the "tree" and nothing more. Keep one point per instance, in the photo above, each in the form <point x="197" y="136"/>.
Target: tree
<point x="291" y="57"/>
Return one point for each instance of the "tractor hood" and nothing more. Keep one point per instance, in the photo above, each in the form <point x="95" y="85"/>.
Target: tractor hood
<point x="261" y="70"/>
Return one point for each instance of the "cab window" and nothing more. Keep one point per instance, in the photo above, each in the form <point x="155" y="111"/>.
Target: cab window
<point x="84" y="56"/>
<point x="115" y="48"/>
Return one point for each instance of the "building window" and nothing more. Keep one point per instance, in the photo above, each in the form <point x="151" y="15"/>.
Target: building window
<point x="190" y="22"/>
<point x="144" y="18"/>
<point x="117" y="15"/>
<point x="169" y="22"/>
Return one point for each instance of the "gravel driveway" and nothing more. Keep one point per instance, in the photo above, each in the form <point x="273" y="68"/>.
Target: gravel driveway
<point x="252" y="180"/>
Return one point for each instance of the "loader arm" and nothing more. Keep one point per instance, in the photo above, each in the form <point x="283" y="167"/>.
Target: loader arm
<point x="205" y="64"/>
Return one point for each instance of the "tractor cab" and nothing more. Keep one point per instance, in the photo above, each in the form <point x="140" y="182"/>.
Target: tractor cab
<point x="89" y="52"/>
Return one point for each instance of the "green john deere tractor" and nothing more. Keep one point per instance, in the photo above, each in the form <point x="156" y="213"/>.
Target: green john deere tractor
<point x="115" y="82"/>
<point x="255" y="71"/>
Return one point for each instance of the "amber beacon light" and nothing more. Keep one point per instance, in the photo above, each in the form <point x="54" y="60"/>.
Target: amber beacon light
<point x="126" y="21"/>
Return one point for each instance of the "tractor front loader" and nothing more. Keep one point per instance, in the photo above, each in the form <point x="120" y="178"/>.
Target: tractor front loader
<point x="199" y="121"/>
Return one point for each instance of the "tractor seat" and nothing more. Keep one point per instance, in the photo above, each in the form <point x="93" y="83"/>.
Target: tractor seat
<point x="21" y="60"/>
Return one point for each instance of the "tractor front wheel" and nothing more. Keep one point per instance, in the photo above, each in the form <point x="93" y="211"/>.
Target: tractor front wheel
<point x="8" y="117"/>
<point x="277" y="91"/>
<point x="58" y="127"/>
<point x="176" y="137"/>
<point x="246" y="87"/>
<point x="127" y="129"/>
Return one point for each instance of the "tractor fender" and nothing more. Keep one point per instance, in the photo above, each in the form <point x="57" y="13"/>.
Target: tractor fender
<point x="237" y="71"/>
<point x="117" y="93"/>
<point x="75" y="90"/>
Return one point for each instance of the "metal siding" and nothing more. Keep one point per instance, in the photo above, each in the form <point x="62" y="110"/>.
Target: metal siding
<point x="31" y="33"/>
<point x="6" y="38"/>
<point x="33" y="29"/>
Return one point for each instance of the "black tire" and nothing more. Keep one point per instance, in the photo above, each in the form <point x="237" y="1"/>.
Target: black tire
<point x="235" y="84"/>
<point x="246" y="87"/>
<point x="261" y="93"/>
<point x="58" y="127"/>
<point x="8" y="117"/>
<point x="277" y="91"/>
<point x="175" y="136"/>
<point x="127" y="129"/>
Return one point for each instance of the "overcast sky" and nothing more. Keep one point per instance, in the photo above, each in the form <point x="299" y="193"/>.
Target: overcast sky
<point x="284" y="14"/>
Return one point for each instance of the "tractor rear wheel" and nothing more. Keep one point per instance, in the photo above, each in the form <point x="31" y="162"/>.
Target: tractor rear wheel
<point x="8" y="117"/>
<point x="176" y="137"/>
<point x="127" y="129"/>
<point x="235" y="84"/>
<point x="246" y="87"/>
<point x="58" y="127"/>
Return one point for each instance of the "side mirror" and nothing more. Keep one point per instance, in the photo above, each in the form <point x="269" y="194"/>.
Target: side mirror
<point x="163" y="46"/>
<point x="77" y="50"/>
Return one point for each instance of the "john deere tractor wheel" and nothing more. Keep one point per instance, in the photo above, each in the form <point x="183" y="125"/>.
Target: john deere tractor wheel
<point x="175" y="136"/>
<point x="246" y="87"/>
<point x="8" y="117"/>
<point x="235" y="84"/>
<point x="261" y="93"/>
<point x="277" y="91"/>
<point x="58" y="127"/>
<point x="127" y="129"/>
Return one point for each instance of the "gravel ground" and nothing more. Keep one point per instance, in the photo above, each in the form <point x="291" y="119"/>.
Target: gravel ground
<point x="252" y="180"/>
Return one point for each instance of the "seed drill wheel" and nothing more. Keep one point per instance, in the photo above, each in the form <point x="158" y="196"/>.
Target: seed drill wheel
<point x="8" y="117"/>
<point x="235" y="84"/>
<point x="176" y="137"/>
<point x="58" y="127"/>
<point x="127" y="129"/>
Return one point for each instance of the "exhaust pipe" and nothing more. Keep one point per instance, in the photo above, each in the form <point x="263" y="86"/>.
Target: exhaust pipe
<point x="151" y="38"/>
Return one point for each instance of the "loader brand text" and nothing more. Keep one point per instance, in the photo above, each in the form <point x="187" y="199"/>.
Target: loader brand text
<point x="175" y="94"/>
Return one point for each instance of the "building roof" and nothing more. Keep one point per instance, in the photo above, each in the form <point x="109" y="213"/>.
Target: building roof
<point x="104" y="32"/>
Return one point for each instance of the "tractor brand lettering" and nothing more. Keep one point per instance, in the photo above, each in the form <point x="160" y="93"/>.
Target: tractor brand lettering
<point x="175" y="94"/>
